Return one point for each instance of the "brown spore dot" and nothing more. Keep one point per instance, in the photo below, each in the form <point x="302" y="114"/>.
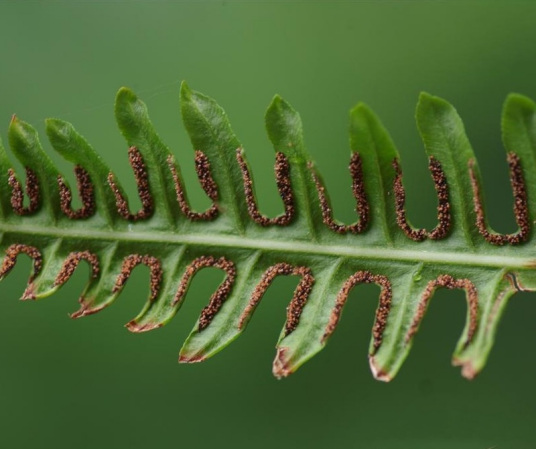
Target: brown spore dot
<point x="11" y="258"/>
<point x="72" y="261"/>
<point x="142" y="182"/>
<point x="284" y="187"/>
<point x="358" y="190"/>
<point x="449" y="282"/>
<point x="17" y="194"/>
<point x="132" y="261"/>
<point x="299" y="298"/>
<point x="521" y="209"/>
<point x="202" y="167"/>
<point x="443" y="206"/>
<point x="382" y="312"/>
<point x="218" y="298"/>
<point x="86" y="192"/>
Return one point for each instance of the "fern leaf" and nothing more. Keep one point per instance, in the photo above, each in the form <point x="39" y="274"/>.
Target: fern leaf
<point x="330" y="258"/>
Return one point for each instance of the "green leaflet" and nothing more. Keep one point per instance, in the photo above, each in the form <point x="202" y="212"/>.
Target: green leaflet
<point x="329" y="257"/>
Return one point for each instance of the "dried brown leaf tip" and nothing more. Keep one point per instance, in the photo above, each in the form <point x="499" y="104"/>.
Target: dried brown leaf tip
<point x="358" y="189"/>
<point x="132" y="261"/>
<point x="443" y="204"/>
<point x="449" y="282"/>
<point x="142" y="181"/>
<point x="11" y="258"/>
<point x="299" y="298"/>
<point x="219" y="297"/>
<point x="281" y="365"/>
<point x="382" y="312"/>
<point x="17" y="194"/>
<point x="86" y="192"/>
<point x="72" y="261"/>
<point x="282" y="179"/>
<point x="521" y="210"/>
<point x="86" y="308"/>
<point x="204" y="174"/>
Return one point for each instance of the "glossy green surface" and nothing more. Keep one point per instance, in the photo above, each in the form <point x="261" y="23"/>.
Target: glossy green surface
<point x="90" y="383"/>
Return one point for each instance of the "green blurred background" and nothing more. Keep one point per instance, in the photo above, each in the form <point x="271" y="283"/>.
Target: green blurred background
<point x="91" y="384"/>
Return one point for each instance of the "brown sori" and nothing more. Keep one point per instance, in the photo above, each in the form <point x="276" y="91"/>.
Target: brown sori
<point x="443" y="205"/>
<point x="521" y="209"/>
<point x="17" y="194"/>
<point x="282" y="179"/>
<point x="358" y="189"/>
<point x="202" y="168"/>
<point x="382" y="312"/>
<point x="449" y="282"/>
<point x="142" y="181"/>
<point x="130" y="262"/>
<point x="11" y="258"/>
<point x="72" y="261"/>
<point x="221" y="294"/>
<point x="85" y="190"/>
<point x="299" y="298"/>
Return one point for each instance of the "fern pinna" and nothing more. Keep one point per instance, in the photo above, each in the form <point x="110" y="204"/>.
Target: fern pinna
<point x="233" y="235"/>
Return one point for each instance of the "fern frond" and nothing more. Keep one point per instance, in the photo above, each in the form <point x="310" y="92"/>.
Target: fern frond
<point x="330" y="258"/>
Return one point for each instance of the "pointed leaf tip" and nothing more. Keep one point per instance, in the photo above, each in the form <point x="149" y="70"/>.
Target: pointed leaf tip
<point x="131" y="114"/>
<point x="279" y="104"/>
<point x="126" y="94"/>
<point x="16" y="122"/>
<point x="276" y="99"/>
<point x="423" y="95"/>
<point x="127" y="103"/>
<point x="284" y="128"/>
<point x="21" y="130"/>
<point x="187" y="94"/>
<point x="360" y="107"/>
<point x="361" y="110"/>
<point x="427" y="96"/>
<point x="281" y="112"/>
<point x="185" y="89"/>
<point x="519" y="100"/>
<point x="197" y="99"/>
<point x="57" y="128"/>
<point x="52" y="123"/>
<point x="427" y="100"/>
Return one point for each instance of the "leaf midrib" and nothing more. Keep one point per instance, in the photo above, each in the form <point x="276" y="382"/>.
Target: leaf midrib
<point x="389" y="255"/>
